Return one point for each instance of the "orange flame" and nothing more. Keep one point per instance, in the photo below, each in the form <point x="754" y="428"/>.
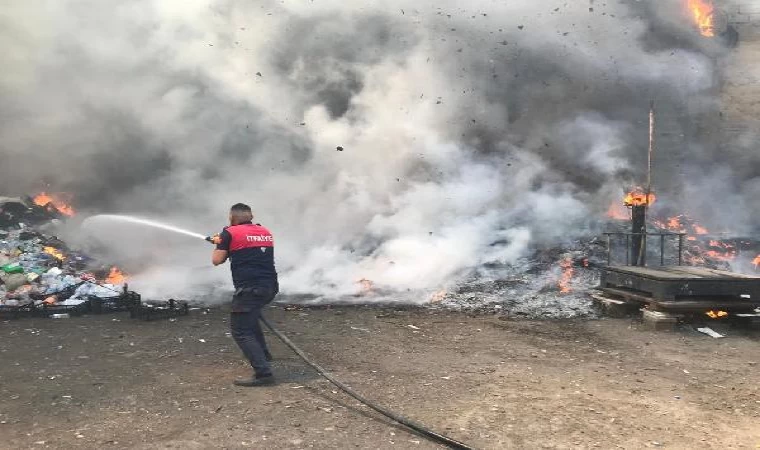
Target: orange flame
<point x="54" y="252"/>
<point x="725" y="252"/>
<point x="116" y="276"/>
<point x="638" y="198"/>
<point x="44" y="199"/>
<point x="756" y="261"/>
<point x="703" y="16"/>
<point x="618" y="212"/>
<point x="438" y="296"/>
<point x="567" y="276"/>
<point x="716" y="314"/>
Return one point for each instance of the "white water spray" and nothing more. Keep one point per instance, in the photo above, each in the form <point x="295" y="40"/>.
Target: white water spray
<point x="139" y="221"/>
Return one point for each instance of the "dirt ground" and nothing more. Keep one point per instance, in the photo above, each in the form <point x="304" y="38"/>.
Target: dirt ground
<point x="112" y="382"/>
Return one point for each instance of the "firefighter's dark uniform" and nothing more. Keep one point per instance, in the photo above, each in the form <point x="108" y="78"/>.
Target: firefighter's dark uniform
<point x="251" y="253"/>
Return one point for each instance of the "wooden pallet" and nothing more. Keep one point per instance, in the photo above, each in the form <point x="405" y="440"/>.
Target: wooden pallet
<point x="681" y="288"/>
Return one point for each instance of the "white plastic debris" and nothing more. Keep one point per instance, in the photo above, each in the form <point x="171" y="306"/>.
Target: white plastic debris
<point x="72" y="302"/>
<point x="100" y="291"/>
<point x="710" y="332"/>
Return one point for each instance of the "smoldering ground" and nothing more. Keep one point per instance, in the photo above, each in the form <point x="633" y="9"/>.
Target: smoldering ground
<point x="402" y="142"/>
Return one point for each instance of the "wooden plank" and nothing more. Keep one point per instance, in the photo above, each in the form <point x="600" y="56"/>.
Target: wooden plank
<point x="712" y="273"/>
<point x="628" y="295"/>
<point x="652" y="273"/>
<point x="703" y="305"/>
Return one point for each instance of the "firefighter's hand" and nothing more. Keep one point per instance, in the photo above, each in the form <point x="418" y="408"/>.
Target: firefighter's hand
<point x="215" y="239"/>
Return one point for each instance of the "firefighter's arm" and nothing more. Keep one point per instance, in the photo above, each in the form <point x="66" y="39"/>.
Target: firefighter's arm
<point x="219" y="257"/>
<point x="222" y="250"/>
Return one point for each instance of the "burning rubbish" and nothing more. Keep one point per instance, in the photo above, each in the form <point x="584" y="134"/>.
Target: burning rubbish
<point x="58" y="202"/>
<point x="716" y="314"/>
<point x="567" y="275"/>
<point x="39" y="272"/>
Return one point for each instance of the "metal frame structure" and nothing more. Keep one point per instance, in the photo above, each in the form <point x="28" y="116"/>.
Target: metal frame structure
<point x="644" y="235"/>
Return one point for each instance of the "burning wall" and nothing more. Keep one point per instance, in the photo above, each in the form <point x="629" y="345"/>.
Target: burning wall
<point x="468" y="135"/>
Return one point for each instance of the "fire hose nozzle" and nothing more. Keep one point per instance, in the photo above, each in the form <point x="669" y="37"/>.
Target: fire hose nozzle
<point x="215" y="239"/>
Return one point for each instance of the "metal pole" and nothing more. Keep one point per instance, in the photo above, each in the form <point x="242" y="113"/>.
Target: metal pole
<point x="680" y="249"/>
<point x="627" y="249"/>
<point x="609" y="249"/>
<point x="650" y="152"/>
<point x="662" y="249"/>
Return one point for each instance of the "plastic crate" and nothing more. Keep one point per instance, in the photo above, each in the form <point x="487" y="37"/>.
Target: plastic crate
<point x="124" y="302"/>
<point x="16" y="312"/>
<point x="157" y="311"/>
<point x="72" y="310"/>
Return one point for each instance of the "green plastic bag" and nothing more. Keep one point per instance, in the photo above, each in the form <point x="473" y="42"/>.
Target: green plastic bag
<point x="12" y="268"/>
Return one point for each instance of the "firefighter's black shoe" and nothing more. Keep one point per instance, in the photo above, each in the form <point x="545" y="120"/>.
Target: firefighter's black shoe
<point x="256" y="381"/>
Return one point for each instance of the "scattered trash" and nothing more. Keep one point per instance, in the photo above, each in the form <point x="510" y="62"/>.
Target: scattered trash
<point x="710" y="332"/>
<point x="40" y="275"/>
<point x="413" y="327"/>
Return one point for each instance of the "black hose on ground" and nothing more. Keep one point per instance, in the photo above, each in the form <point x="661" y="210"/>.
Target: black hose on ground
<point x="420" y="429"/>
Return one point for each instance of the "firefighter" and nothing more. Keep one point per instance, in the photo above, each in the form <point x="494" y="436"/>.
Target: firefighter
<point x="250" y="249"/>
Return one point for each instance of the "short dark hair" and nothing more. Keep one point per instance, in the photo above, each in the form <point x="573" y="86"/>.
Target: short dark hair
<point x="240" y="208"/>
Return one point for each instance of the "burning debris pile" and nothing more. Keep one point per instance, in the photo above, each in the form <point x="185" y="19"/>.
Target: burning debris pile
<point x="39" y="272"/>
<point x="700" y="246"/>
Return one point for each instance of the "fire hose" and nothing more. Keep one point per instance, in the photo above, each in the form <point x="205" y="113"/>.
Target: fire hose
<point x="411" y="425"/>
<point x="414" y="426"/>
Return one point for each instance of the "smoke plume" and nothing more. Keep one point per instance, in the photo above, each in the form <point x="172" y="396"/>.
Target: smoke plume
<point x="403" y="142"/>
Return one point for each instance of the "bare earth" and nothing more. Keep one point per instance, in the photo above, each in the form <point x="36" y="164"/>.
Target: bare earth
<point x="96" y="382"/>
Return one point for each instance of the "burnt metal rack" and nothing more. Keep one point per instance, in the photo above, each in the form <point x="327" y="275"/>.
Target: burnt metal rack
<point x="636" y="243"/>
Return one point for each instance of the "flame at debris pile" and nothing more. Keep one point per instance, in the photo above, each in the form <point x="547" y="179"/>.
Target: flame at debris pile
<point x="438" y="296"/>
<point x="716" y="314"/>
<point x="116" y="276"/>
<point x="54" y="252"/>
<point x="616" y="211"/>
<point x="57" y="200"/>
<point x="721" y="251"/>
<point x="567" y="275"/>
<point x="702" y="10"/>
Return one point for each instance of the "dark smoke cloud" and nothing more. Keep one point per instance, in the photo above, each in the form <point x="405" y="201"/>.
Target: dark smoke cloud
<point x="462" y="125"/>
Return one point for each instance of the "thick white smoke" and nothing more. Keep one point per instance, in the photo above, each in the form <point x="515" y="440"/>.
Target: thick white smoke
<point x="469" y="134"/>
